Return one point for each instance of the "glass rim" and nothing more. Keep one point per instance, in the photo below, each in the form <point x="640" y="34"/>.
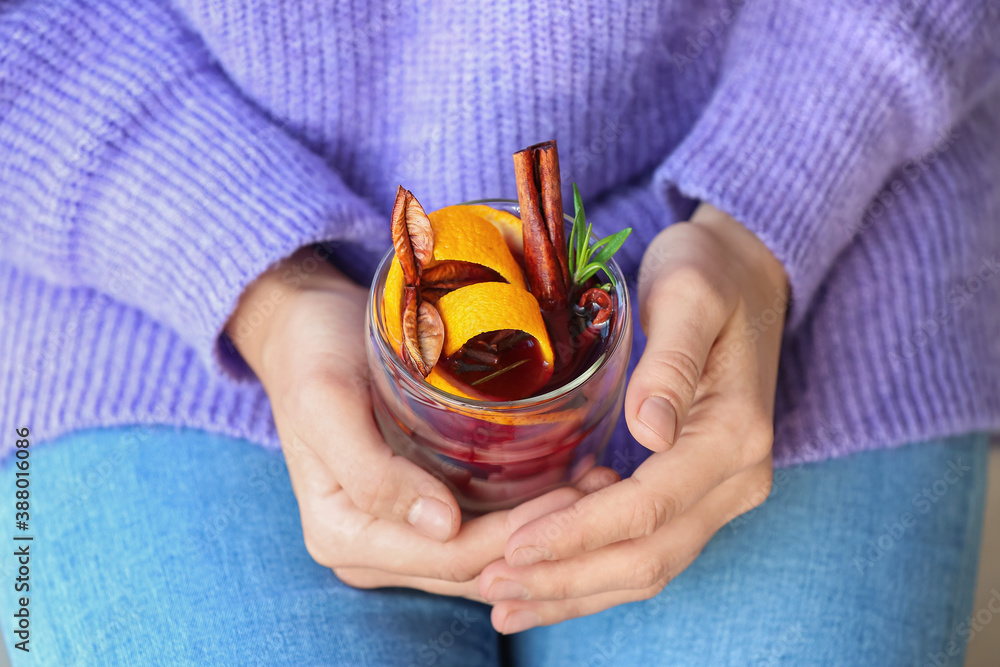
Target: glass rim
<point x="384" y="348"/>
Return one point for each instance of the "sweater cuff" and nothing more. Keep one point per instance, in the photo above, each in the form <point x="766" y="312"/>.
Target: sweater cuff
<point x="794" y="160"/>
<point x="223" y="194"/>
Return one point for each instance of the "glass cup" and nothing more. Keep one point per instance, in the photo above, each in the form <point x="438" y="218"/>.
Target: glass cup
<point x="497" y="454"/>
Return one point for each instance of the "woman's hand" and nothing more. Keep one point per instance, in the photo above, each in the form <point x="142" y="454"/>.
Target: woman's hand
<point x="712" y="300"/>
<point x="300" y="327"/>
<point x="375" y="518"/>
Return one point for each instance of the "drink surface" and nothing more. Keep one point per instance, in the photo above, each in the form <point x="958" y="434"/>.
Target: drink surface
<point x="498" y="365"/>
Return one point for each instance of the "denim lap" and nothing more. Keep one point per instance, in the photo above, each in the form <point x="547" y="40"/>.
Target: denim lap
<point x="866" y="560"/>
<point x="158" y="546"/>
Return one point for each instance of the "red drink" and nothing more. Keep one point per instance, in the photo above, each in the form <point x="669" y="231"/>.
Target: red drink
<point x="523" y="425"/>
<point x="496" y="366"/>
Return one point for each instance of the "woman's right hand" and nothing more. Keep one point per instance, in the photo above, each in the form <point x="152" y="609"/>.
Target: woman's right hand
<point x="375" y="518"/>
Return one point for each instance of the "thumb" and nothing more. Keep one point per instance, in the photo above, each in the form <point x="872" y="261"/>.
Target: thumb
<point x="376" y="479"/>
<point x="682" y="320"/>
<point x="393" y="488"/>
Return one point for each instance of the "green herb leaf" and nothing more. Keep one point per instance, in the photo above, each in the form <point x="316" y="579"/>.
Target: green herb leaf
<point x="571" y="254"/>
<point x="600" y="244"/>
<point x="590" y="270"/>
<point x="579" y="222"/>
<point x="614" y="242"/>
<point x="586" y="259"/>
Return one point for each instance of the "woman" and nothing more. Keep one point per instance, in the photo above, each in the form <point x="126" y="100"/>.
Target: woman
<point x="168" y="167"/>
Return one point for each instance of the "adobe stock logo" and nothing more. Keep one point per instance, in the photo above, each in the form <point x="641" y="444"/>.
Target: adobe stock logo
<point x="966" y="631"/>
<point x="432" y="650"/>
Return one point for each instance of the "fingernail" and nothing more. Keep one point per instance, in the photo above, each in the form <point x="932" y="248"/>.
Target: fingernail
<point x="431" y="517"/>
<point x="520" y="621"/>
<point x="527" y="556"/>
<point x="505" y="589"/>
<point x="658" y="416"/>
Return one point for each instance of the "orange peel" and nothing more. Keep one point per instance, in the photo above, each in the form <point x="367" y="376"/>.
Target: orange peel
<point x="392" y="304"/>
<point x="508" y="224"/>
<point x="460" y="233"/>
<point x="480" y="235"/>
<point x="484" y="307"/>
<point x="439" y="380"/>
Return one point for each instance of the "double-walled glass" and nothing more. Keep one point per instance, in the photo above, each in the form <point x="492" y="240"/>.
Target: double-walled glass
<point x="494" y="455"/>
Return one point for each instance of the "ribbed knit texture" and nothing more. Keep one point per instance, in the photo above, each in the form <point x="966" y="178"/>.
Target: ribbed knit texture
<point x="156" y="157"/>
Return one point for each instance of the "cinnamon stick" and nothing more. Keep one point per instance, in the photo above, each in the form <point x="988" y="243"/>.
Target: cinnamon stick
<point x="539" y="193"/>
<point x="552" y="207"/>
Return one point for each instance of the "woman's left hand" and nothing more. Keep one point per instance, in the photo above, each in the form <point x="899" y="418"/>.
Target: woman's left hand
<point x="712" y="300"/>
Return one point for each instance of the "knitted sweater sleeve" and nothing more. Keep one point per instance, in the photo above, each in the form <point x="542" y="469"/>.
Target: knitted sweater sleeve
<point x="131" y="165"/>
<point x="817" y="104"/>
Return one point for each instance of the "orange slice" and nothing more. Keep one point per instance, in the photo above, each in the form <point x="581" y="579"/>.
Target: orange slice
<point x="508" y="224"/>
<point x="392" y="304"/>
<point x="481" y="308"/>
<point x="484" y="307"/>
<point x="459" y="234"/>
<point x="437" y="379"/>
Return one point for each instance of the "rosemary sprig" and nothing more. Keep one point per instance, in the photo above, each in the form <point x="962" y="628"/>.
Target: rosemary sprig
<point x="494" y="374"/>
<point x="586" y="258"/>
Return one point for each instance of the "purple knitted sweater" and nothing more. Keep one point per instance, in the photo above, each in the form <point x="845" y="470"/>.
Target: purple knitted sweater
<point x="155" y="157"/>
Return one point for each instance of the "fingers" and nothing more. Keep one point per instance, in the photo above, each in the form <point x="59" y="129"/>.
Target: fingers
<point x="338" y="535"/>
<point x="510" y="618"/>
<point x="634" y="565"/>
<point x="597" y="479"/>
<point x="551" y="592"/>
<point x="637" y="565"/>
<point x="378" y="482"/>
<point x="682" y="312"/>
<point x="368" y="577"/>
<point x="664" y="486"/>
<point x="533" y="509"/>
<point x="316" y="376"/>
<point x="361" y="577"/>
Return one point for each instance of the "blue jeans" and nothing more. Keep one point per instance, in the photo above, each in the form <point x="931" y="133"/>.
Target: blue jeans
<point x="156" y="546"/>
